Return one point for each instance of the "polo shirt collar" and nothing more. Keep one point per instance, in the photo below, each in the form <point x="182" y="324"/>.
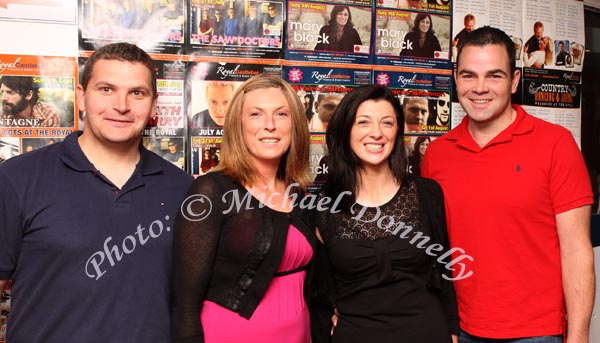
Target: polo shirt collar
<point x="523" y="124"/>
<point x="73" y="156"/>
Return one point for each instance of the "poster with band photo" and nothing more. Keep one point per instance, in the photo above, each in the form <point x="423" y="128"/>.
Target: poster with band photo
<point x="239" y="28"/>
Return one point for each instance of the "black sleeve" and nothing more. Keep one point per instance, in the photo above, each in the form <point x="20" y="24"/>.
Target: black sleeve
<point x="432" y="193"/>
<point x="195" y="243"/>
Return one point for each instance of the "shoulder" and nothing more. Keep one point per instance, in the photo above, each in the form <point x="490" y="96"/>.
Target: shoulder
<point x="428" y="186"/>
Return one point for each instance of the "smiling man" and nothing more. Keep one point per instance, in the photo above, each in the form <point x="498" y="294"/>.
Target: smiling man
<point x="85" y="224"/>
<point x="518" y="200"/>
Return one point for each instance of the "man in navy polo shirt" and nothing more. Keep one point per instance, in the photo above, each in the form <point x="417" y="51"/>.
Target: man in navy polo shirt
<point x="86" y="224"/>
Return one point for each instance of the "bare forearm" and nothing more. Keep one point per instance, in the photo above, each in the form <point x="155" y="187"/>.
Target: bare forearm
<point x="577" y="260"/>
<point x="579" y="285"/>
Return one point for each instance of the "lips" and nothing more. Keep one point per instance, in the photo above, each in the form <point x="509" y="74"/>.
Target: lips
<point x="374" y="146"/>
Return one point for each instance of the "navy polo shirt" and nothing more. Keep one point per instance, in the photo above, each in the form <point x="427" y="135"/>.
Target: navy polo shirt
<point x="89" y="263"/>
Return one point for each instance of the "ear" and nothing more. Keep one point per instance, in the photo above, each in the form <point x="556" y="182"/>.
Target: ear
<point x="515" y="81"/>
<point x="80" y="97"/>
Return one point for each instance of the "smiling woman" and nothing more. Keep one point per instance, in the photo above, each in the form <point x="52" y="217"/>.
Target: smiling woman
<point x="239" y="276"/>
<point x="388" y="290"/>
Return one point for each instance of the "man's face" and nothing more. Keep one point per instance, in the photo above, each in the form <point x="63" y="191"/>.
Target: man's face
<point x="470" y="25"/>
<point x="416" y="111"/>
<point x="561" y="46"/>
<point x="13" y="103"/>
<point x="327" y="105"/>
<point x="118" y="102"/>
<point x="484" y="83"/>
<point x="539" y="33"/>
<point x="272" y="11"/>
<point x="443" y="109"/>
<point x="231" y="13"/>
<point x="218" y="98"/>
<point x="172" y="147"/>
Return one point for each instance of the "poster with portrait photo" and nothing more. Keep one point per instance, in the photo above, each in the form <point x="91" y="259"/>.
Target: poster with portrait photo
<point x="38" y="96"/>
<point x="211" y="86"/>
<point x="239" y="28"/>
<point x="431" y="6"/>
<point x="156" y="26"/>
<point x="398" y="42"/>
<point x="425" y="99"/>
<point x="170" y="148"/>
<point x="322" y="88"/>
<point x="314" y="34"/>
<point x="205" y="154"/>
<point x="415" y="147"/>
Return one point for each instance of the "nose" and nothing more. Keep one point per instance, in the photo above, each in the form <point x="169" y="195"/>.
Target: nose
<point x="121" y="103"/>
<point x="480" y="86"/>
<point x="269" y="122"/>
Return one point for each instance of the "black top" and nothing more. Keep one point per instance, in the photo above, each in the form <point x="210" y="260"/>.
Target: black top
<point x="329" y="40"/>
<point x="412" y="48"/>
<point x="388" y="288"/>
<point x="230" y="256"/>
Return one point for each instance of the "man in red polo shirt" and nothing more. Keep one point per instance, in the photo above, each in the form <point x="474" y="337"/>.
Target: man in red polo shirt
<point x="518" y="201"/>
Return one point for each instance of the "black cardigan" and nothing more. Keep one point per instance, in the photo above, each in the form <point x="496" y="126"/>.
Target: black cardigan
<point x="230" y="256"/>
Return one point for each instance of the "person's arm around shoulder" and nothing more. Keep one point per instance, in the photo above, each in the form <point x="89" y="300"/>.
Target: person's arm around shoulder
<point x="577" y="260"/>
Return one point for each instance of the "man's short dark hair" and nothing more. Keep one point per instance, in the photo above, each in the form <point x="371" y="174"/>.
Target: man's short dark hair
<point x="22" y="85"/>
<point x="487" y="35"/>
<point x="121" y="52"/>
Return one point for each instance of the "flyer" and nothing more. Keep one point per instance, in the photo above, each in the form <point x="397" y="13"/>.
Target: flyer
<point x="320" y="32"/>
<point x="38" y="99"/>
<point x="432" y="6"/>
<point x="153" y="25"/>
<point x="205" y="154"/>
<point x="425" y="99"/>
<point x="415" y="147"/>
<point x="318" y="162"/>
<point x="211" y="86"/>
<point x="239" y="28"/>
<point x="412" y="39"/>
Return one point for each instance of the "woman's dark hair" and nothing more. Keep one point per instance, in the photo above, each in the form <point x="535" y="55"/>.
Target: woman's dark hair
<point x="418" y="19"/>
<point x="344" y="165"/>
<point x="417" y="146"/>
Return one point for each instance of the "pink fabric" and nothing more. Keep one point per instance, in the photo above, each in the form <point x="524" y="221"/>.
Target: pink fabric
<point x="281" y="316"/>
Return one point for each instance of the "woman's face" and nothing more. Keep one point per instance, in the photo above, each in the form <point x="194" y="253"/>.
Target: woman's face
<point x="424" y="25"/>
<point x="423" y="147"/>
<point x="543" y="44"/>
<point x="374" y="132"/>
<point x="342" y="17"/>
<point x="266" y="125"/>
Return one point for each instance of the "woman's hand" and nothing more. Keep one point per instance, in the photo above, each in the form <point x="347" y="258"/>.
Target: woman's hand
<point x="335" y="317"/>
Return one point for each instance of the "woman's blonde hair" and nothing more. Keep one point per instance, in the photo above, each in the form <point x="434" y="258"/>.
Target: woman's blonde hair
<point x="549" y="56"/>
<point x="235" y="158"/>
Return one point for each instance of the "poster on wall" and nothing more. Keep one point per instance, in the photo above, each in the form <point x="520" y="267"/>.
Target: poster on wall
<point x="425" y="99"/>
<point x="431" y="6"/>
<point x="154" y="25"/>
<point x="412" y="39"/>
<point x="165" y="132"/>
<point x="210" y="87"/>
<point x="320" y="32"/>
<point x="415" y="147"/>
<point x="320" y="89"/>
<point x="239" y="28"/>
<point x="38" y="101"/>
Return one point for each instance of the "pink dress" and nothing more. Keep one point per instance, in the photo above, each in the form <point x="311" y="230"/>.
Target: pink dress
<point x="281" y="315"/>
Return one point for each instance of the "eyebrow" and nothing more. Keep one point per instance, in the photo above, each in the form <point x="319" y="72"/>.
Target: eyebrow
<point x="489" y="72"/>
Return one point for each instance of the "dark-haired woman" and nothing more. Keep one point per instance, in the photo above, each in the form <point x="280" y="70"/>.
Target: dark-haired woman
<point x="388" y="286"/>
<point x="340" y="34"/>
<point x="421" y="41"/>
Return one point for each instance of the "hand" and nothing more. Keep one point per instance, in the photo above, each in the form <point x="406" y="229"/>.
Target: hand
<point x="334" y="319"/>
<point x="454" y="338"/>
